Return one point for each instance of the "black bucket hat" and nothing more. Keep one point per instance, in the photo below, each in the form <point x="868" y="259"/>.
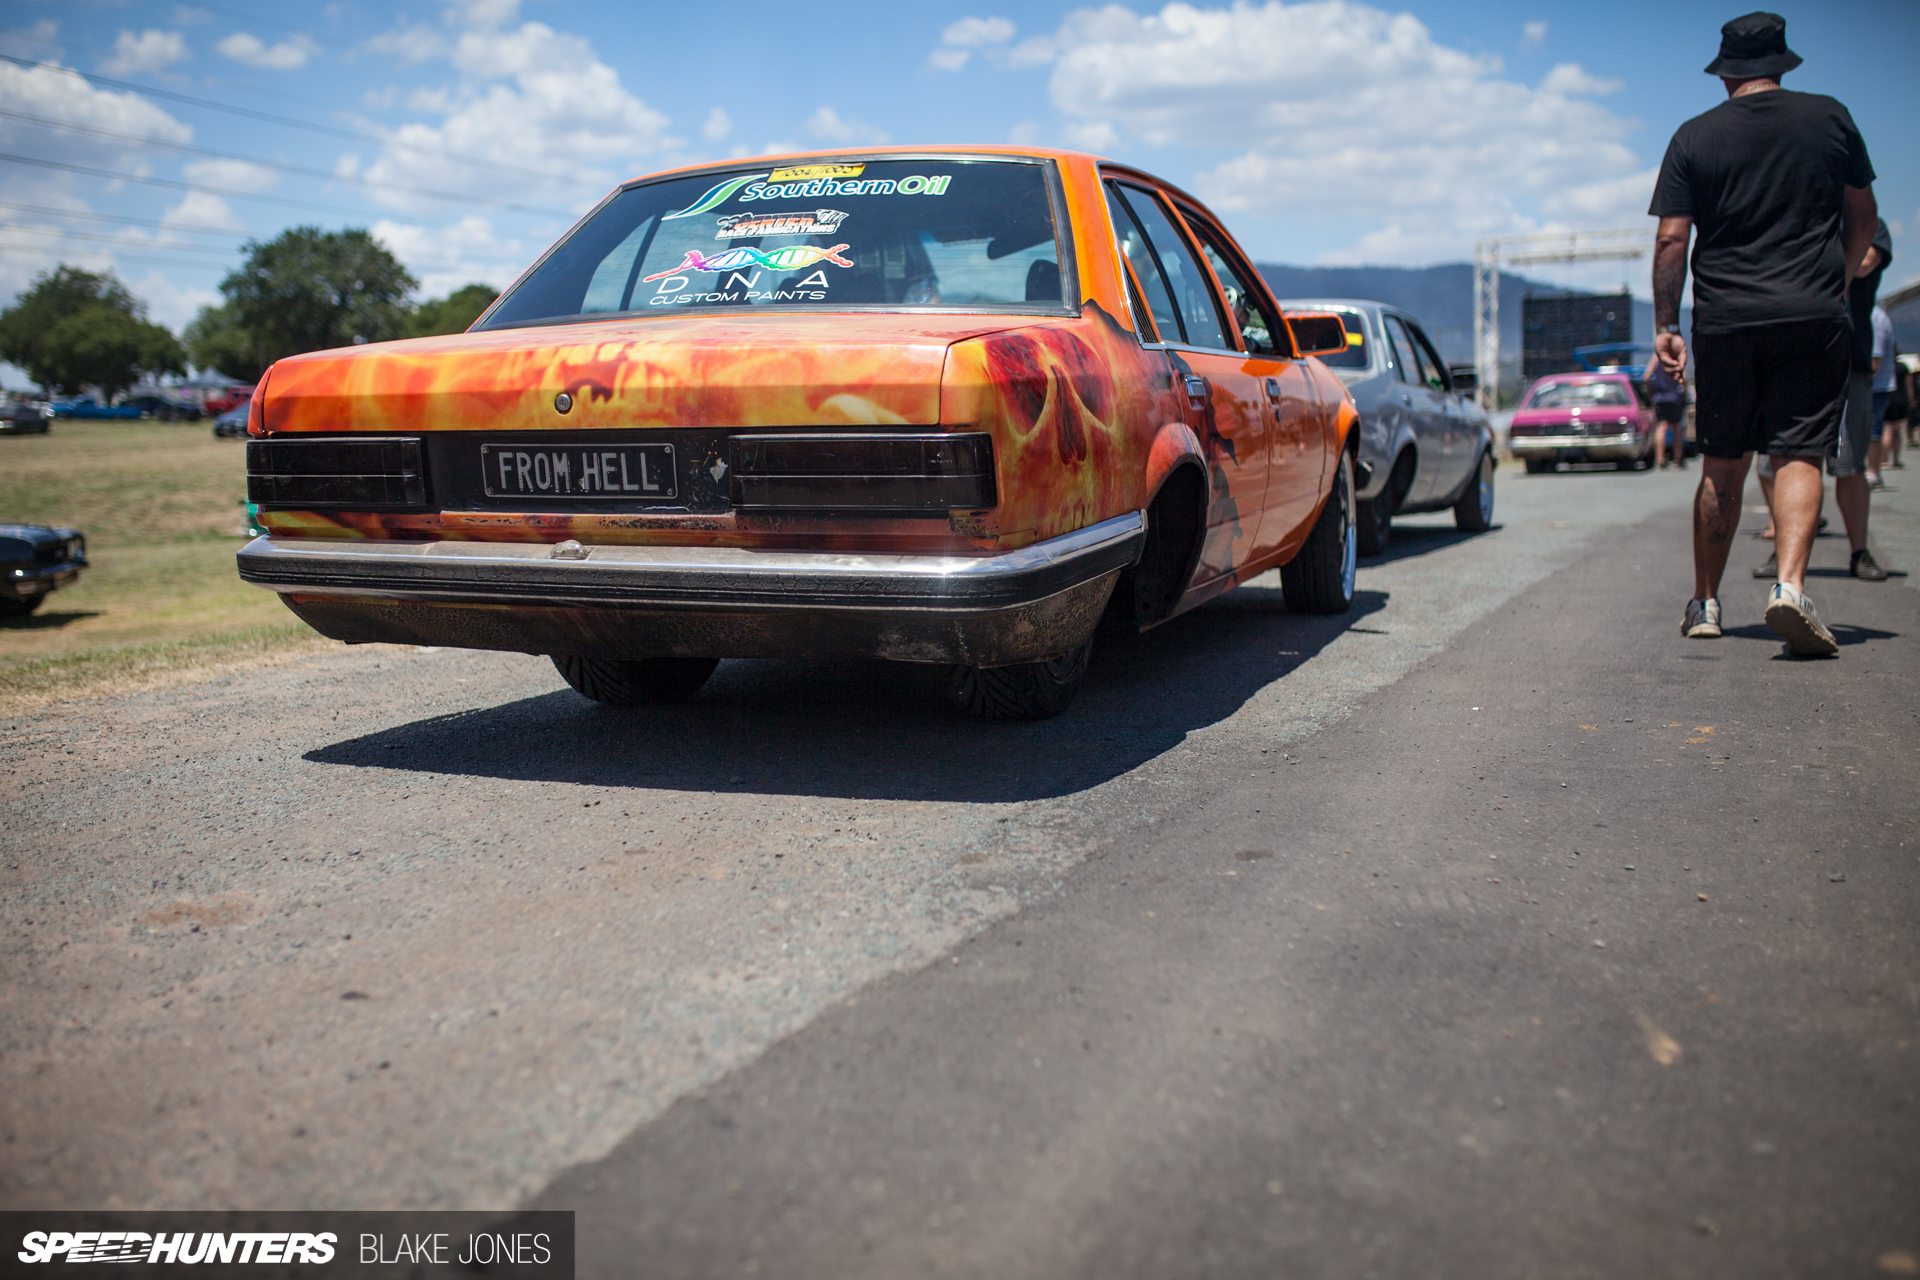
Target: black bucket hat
<point x="1754" y="46"/>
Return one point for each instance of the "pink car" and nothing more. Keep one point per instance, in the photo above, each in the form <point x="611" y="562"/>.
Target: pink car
<point x="1583" y="417"/>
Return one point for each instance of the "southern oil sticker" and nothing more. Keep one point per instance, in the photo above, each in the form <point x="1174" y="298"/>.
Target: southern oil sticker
<point x="766" y="186"/>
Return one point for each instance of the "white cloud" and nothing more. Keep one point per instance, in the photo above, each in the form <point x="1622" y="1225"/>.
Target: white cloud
<point x="530" y="97"/>
<point x="719" y="124"/>
<point x="149" y="51"/>
<point x="1571" y="80"/>
<point x="978" y="33"/>
<point x="959" y="41"/>
<point x="200" y="209"/>
<point x="1533" y="35"/>
<point x="172" y="304"/>
<point x="827" y="125"/>
<point x="231" y="175"/>
<point x="441" y="257"/>
<point x="289" y="54"/>
<point x="1340" y="110"/>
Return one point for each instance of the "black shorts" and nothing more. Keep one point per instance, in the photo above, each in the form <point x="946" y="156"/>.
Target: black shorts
<point x="1778" y="389"/>
<point x="1670" y="411"/>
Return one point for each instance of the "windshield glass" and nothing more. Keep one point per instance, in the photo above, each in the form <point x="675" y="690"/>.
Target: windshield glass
<point x="1578" y="395"/>
<point x="966" y="234"/>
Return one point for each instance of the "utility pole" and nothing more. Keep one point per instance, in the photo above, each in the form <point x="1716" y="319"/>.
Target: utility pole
<point x="1492" y="254"/>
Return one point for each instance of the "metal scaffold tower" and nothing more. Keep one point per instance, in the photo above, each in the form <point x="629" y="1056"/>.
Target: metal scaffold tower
<point x="1490" y="255"/>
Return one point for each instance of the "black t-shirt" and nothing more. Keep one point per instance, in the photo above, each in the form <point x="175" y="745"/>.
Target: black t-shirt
<point x="1760" y="175"/>
<point x="1860" y="295"/>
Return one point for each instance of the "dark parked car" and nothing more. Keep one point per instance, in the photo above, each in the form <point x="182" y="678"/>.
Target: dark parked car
<point x="1429" y="446"/>
<point x="232" y="424"/>
<point x="162" y="408"/>
<point x="24" y="417"/>
<point x="88" y="407"/>
<point x="35" y="559"/>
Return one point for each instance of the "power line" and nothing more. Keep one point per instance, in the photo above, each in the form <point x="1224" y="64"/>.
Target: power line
<point x="223" y="250"/>
<point x="174" y="185"/>
<point x="131" y="222"/>
<point x="282" y="165"/>
<point x="357" y="135"/>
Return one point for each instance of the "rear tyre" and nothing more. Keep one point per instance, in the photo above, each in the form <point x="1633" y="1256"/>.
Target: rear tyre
<point x="1024" y="691"/>
<point x="635" y="682"/>
<point x="1474" y="511"/>
<point x="1320" y="578"/>
<point x="1540" y="466"/>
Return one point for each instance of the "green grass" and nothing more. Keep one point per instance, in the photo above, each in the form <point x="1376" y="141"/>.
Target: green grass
<point x="161" y="507"/>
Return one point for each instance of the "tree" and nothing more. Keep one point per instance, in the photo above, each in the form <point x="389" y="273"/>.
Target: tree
<point x="215" y="341"/>
<point x="74" y="328"/>
<point x="454" y="313"/>
<point x="308" y="289"/>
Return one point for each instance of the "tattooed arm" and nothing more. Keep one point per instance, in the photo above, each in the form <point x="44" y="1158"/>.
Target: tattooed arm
<point x="1669" y="282"/>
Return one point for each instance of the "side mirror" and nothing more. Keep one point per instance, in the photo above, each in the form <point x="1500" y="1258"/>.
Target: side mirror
<point x="1317" y="333"/>
<point x="1465" y="378"/>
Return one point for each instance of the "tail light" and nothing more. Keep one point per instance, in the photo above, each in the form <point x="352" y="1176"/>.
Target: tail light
<point x="368" y="472"/>
<point x="844" y="471"/>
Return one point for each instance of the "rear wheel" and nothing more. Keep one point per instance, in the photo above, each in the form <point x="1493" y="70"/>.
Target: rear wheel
<point x="1474" y="511"/>
<point x="1024" y="691"/>
<point x="635" y="682"/>
<point x="1320" y="578"/>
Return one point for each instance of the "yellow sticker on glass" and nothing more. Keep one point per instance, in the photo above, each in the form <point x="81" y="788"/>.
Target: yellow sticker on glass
<point x="808" y="172"/>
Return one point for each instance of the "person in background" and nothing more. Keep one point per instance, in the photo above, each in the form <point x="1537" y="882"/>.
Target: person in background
<point x="1885" y="374"/>
<point x="1855" y="465"/>
<point x="1670" y="410"/>
<point x="1781" y="189"/>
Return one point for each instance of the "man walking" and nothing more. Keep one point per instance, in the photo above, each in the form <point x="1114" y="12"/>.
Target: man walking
<point x="1781" y="190"/>
<point x="1670" y="411"/>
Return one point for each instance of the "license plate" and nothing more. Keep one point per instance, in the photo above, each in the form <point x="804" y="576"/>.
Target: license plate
<point x="633" y="472"/>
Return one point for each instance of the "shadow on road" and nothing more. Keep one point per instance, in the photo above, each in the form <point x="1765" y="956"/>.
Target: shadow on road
<point x="45" y="621"/>
<point x="1419" y="540"/>
<point x="1842" y="632"/>
<point x="878" y="730"/>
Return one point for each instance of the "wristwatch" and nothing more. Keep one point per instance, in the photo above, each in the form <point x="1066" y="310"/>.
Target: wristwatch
<point x="1668" y="328"/>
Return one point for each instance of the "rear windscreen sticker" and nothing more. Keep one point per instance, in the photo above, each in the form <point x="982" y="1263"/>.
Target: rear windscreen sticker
<point x="742" y="226"/>
<point x="790" y="258"/>
<point x="715" y="197"/>
<point x="808" y="172"/>
<point x="914" y="184"/>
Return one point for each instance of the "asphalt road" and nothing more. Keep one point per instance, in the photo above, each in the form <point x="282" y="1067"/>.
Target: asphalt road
<point x="1493" y="931"/>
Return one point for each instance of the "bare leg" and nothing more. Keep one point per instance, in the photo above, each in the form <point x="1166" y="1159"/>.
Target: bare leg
<point x="1716" y="514"/>
<point x="1797" y="492"/>
<point x="1766" y="491"/>
<point x="1873" y="459"/>
<point x="1851" y="495"/>
<point x="1660" y="444"/>
<point x="1890" y="443"/>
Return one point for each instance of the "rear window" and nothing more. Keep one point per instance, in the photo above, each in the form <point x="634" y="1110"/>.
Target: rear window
<point x="1577" y="395"/>
<point x="961" y="234"/>
<point x="1355" y="356"/>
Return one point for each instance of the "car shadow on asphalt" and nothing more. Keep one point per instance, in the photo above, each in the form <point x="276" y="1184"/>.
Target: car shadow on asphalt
<point x="879" y="730"/>
<point x="1420" y="540"/>
<point x="46" y="621"/>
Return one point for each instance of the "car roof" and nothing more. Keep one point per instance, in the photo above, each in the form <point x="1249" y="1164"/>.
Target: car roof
<point x="1362" y="304"/>
<point x="34" y="532"/>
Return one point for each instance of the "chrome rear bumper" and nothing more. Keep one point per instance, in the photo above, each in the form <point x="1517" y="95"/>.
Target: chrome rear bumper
<point x="1627" y="444"/>
<point x="636" y="601"/>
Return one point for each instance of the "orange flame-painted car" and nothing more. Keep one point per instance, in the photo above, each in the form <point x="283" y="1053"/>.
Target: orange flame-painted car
<point x="946" y="406"/>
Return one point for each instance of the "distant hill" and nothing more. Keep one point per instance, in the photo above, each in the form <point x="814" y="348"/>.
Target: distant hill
<point x="1441" y="298"/>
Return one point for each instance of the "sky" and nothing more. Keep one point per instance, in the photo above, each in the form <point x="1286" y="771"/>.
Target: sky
<point x="469" y="134"/>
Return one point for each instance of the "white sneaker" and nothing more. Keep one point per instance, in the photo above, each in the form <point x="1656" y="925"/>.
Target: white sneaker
<point x="1791" y="613"/>
<point x="1702" y="621"/>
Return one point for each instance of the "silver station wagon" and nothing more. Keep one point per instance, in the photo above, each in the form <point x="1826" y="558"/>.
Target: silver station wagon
<point x="1430" y="446"/>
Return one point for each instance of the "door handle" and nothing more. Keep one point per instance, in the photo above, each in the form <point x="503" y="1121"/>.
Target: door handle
<point x="1196" y="387"/>
<point x="1273" y="387"/>
<point x="1405" y="398"/>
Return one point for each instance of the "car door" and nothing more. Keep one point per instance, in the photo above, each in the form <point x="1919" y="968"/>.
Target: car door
<point x="1425" y="408"/>
<point x="1460" y="435"/>
<point x="1301" y="424"/>
<point x="1225" y="401"/>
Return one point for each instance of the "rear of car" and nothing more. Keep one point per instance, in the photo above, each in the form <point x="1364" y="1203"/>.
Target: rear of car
<point x="1582" y="417"/>
<point x="896" y="405"/>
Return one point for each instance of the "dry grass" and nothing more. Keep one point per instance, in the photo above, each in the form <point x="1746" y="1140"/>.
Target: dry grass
<point x="161" y="507"/>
